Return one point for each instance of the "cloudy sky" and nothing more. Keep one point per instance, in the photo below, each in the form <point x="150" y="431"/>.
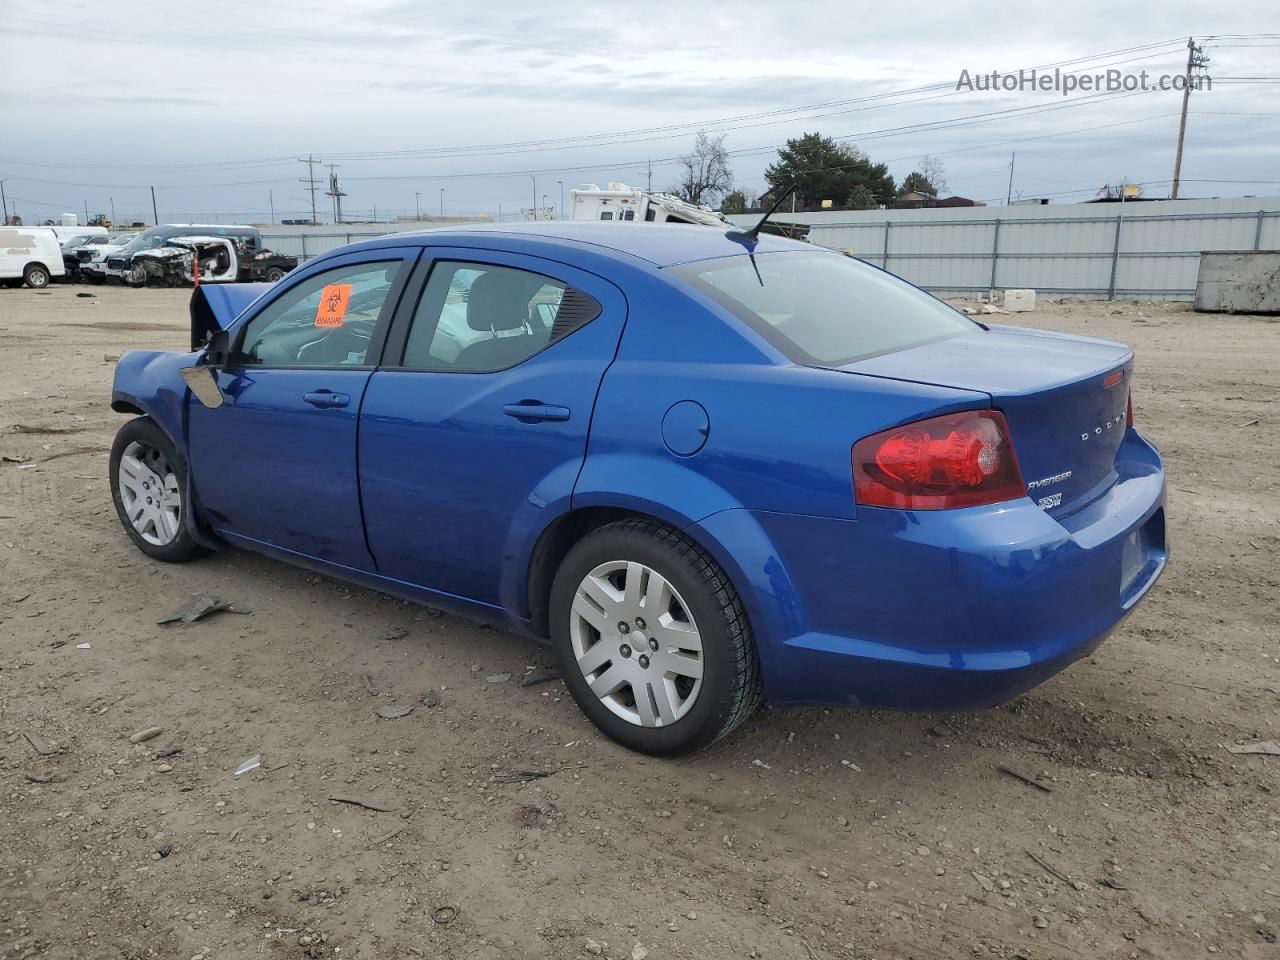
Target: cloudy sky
<point x="498" y="102"/>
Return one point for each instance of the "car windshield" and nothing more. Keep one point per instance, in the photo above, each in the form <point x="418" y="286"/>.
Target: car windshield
<point x="823" y="308"/>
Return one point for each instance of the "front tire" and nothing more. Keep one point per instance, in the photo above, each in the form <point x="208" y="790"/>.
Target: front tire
<point x="36" y="276"/>
<point x="652" y="639"/>
<point x="148" y="488"/>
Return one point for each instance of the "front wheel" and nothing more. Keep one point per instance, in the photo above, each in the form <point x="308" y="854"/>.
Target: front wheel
<point x="36" y="276"/>
<point x="148" y="486"/>
<point x="652" y="639"/>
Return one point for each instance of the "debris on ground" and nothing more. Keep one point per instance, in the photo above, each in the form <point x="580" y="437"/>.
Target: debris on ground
<point x="39" y="744"/>
<point x="146" y="734"/>
<point x="498" y="678"/>
<point x="379" y="841"/>
<point x="428" y="613"/>
<point x="357" y="801"/>
<point x="1268" y="748"/>
<point x="251" y="764"/>
<point x="394" y="713"/>
<point x="444" y="914"/>
<point x="200" y="606"/>
<point x="1029" y="781"/>
<point x="535" y="677"/>
<point x="523" y="776"/>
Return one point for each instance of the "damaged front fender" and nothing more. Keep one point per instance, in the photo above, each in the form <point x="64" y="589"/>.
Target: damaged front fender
<point x="148" y="382"/>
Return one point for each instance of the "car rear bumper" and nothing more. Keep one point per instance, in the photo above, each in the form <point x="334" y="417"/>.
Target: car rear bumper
<point x="944" y="610"/>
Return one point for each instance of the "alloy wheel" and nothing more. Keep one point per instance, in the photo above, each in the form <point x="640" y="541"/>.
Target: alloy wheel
<point x="636" y="643"/>
<point x="150" y="494"/>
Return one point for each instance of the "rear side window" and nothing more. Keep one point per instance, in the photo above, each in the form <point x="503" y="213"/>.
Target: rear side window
<point x="479" y="318"/>
<point x="824" y="308"/>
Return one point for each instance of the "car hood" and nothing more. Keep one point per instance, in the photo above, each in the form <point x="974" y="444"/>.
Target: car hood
<point x="216" y="307"/>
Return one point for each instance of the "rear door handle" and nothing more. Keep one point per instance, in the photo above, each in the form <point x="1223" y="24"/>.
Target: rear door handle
<point x="326" y="399"/>
<point x="531" y="411"/>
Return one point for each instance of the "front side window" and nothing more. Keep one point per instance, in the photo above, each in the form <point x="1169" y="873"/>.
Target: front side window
<point x="824" y="308"/>
<point x="325" y="320"/>
<point x="478" y="317"/>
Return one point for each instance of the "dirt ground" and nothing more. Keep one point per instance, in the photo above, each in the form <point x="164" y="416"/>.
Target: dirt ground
<point x="809" y="834"/>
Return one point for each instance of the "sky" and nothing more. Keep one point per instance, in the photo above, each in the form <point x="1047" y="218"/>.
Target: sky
<point x="489" y="107"/>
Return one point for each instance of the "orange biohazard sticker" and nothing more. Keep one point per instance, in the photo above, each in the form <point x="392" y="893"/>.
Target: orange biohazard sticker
<point x="333" y="305"/>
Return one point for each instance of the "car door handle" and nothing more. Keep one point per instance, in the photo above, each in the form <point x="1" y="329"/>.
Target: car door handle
<point x="531" y="411"/>
<point x="326" y="399"/>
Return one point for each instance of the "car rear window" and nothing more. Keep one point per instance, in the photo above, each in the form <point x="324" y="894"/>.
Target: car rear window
<point x="824" y="308"/>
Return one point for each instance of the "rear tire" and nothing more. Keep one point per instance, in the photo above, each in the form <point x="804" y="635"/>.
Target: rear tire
<point x="274" y="275"/>
<point x="36" y="276"/>
<point x="148" y="488"/>
<point x="680" y="674"/>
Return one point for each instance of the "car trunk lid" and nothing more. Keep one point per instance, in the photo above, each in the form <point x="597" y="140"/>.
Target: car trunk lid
<point x="1064" y="398"/>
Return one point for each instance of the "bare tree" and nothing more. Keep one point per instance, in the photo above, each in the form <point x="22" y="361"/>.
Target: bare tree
<point x="704" y="173"/>
<point x="935" y="173"/>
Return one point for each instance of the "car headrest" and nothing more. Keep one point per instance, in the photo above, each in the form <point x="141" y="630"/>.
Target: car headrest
<point x="499" y="299"/>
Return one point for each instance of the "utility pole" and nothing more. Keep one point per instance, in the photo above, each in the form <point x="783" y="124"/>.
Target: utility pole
<point x="442" y="203"/>
<point x="4" y="207"/>
<point x="534" y="211"/>
<point x="113" y="211"/>
<point x="155" y="216"/>
<point x="271" y="202"/>
<point x="417" y="205"/>
<point x="86" y="213"/>
<point x="561" y="183"/>
<point x="310" y="181"/>
<point x="649" y="187"/>
<point x="1009" y="196"/>
<point x="1196" y="60"/>
<point x="335" y="192"/>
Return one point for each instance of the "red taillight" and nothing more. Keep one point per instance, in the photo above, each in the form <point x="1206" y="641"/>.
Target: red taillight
<point x="1128" y="409"/>
<point x="959" y="460"/>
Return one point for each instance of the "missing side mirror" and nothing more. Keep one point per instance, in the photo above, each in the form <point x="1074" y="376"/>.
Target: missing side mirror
<point x="203" y="382"/>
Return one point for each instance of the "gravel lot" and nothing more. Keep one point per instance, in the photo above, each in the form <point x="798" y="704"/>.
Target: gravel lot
<point x="809" y="834"/>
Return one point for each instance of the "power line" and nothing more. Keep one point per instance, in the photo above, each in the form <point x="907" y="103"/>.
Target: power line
<point x="613" y="138"/>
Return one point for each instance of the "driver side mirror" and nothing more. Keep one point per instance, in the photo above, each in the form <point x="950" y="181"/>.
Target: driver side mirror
<point x="202" y="379"/>
<point x="217" y="352"/>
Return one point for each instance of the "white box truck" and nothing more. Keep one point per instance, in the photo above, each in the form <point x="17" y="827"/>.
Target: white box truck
<point x="29" y="255"/>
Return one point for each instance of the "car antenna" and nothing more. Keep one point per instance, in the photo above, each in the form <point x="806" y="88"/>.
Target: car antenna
<point x="752" y="236"/>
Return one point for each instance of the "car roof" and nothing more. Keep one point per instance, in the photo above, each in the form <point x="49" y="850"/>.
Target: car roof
<point x="662" y="245"/>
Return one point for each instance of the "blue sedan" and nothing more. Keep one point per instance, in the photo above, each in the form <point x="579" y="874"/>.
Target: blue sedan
<point x="714" y="469"/>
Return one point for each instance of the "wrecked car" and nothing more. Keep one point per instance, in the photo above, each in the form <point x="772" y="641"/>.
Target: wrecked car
<point x="266" y="266"/>
<point x="119" y="266"/>
<point x="220" y="260"/>
<point x="175" y="263"/>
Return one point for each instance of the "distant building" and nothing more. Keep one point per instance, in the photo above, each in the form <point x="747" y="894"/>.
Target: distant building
<point x="915" y="200"/>
<point x="918" y="200"/>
